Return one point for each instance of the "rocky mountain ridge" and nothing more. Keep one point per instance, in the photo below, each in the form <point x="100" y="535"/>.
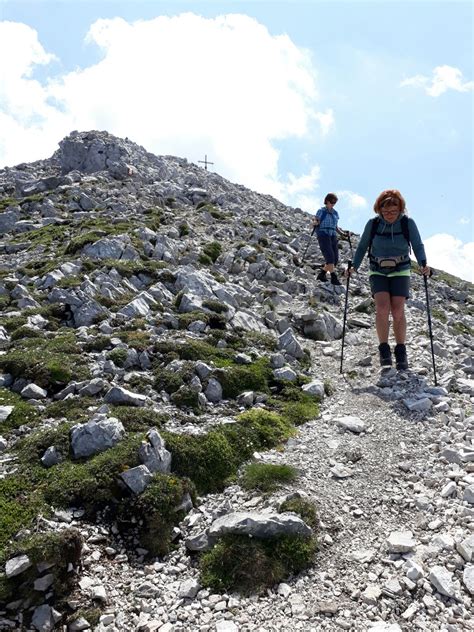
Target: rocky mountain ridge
<point x="153" y="316"/>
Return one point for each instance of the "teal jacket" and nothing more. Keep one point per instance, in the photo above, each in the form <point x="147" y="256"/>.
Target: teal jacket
<point x="391" y="242"/>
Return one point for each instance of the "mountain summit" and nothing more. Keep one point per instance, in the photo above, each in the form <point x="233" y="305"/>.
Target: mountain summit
<point x="178" y="449"/>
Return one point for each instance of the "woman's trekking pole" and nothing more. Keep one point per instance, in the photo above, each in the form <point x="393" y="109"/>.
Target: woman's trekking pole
<point x="349" y="266"/>
<point x="306" y="249"/>
<point x="429" y="327"/>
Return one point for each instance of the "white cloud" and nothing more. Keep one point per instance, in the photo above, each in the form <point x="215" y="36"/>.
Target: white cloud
<point x="349" y="206"/>
<point x="326" y="120"/>
<point x="444" y="78"/>
<point x="352" y="200"/>
<point x="447" y="253"/>
<point x="182" y="85"/>
<point x="464" y="220"/>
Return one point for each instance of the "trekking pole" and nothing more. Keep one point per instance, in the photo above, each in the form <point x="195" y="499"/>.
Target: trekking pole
<point x="307" y="246"/>
<point x="429" y="326"/>
<point x="349" y="266"/>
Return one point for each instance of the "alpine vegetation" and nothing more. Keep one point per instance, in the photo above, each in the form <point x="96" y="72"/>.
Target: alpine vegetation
<point x="178" y="448"/>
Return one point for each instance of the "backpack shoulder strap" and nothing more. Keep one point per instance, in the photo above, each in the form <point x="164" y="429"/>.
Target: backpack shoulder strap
<point x="373" y="230"/>
<point x="322" y="218"/>
<point x="405" y="229"/>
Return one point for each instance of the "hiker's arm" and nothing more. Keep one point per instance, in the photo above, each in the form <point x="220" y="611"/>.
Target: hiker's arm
<point x="317" y="218"/>
<point x="363" y="245"/>
<point x="416" y="243"/>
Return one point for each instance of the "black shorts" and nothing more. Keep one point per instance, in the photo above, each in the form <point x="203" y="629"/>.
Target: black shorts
<point x="328" y="245"/>
<point x="395" y="286"/>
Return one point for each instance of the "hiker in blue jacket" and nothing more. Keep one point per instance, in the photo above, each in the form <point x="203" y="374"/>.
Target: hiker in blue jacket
<point x="325" y="222"/>
<point x="388" y="238"/>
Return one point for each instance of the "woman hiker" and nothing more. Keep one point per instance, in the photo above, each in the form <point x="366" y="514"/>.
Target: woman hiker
<point x="388" y="238"/>
<point x="325" y="222"/>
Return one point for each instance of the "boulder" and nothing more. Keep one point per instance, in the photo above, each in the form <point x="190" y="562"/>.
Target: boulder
<point x="259" y="525"/>
<point x="95" y="436"/>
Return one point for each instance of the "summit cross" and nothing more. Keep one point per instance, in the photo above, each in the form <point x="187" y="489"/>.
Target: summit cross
<point x="206" y="162"/>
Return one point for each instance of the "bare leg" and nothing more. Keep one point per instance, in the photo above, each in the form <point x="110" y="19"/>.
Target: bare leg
<point x="329" y="267"/>
<point x="399" y="320"/>
<point x="382" y="306"/>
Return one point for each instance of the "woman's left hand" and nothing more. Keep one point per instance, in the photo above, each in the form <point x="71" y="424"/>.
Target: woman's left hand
<point x="426" y="271"/>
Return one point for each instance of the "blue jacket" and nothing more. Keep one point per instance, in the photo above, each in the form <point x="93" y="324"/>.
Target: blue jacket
<point x="329" y="224"/>
<point x="390" y="244"/>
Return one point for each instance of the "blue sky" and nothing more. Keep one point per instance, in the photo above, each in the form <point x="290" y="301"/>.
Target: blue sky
<point x="290" y="98"/>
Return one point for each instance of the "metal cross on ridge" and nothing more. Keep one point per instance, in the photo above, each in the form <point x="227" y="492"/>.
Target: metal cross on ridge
<point x="206" y="162"/>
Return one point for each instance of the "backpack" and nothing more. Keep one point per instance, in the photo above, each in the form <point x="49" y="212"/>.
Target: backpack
<point x="321" y="219"/>
<point x="373" y="231"/>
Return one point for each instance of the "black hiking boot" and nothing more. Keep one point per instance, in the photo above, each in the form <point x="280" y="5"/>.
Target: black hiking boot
<point x="334" y="279"/>
<point x="322" y="276"/>
<point x="385" y="355"/>
<point x="401" y="357"/>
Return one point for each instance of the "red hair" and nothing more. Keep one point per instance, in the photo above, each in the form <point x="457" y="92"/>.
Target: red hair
<point x="390" y="195"/>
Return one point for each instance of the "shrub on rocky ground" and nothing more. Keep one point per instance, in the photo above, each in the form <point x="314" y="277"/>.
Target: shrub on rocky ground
<point x="195" y="350"/>
<point x="118" y="356"/>
<point x="138" y="340"/>
<point x="271" y="428"/>
<point x="22" y="413"/>
<point x="250" y="565"/>
<point x="251" y="377"/>
<point x="158" y="506"/>
<point x="186" y="397"/>
<point x="213" y="250"/>
<point x="92" y="483"/>
<point x="73" y="409"/>
<point x="20" y="504"/>
<point x="204" y="259"/>
<point x="56" y="548"/>
<point x="266" y="477"/>
<point x="138" y="419"/>
<point x="77" y="243"/>
<point x="98" y="344"/>
<point x="304" y="508"/>
<point x="215" y="306"/>
<point x="208" y="460"/>
<point x="171" y="381"/>
<point x="32" y="447"/>
<point x="12" y="323"/>
<point x="49" y="363"/>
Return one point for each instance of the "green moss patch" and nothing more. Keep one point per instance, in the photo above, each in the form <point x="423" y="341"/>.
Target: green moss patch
<point x="267" y="477"/>
<point x="158" y="505"/>
<point x="138" y="340"/>
<point x="186" y="397"/>
<point x="248" y="565"/>
<point x="94" y="482"/>
<point x="20" y="504"/>
<point x="58" y="549"/>
<point x="50" y="363"/>
<point x="195" y="350"/>
<point x="251" y="377"/>
<point x="304" y="508"/>
<point x="22" y="413"/>
<point x="32" y="447"/>
<point x="208" y="460"/>
<point x="213" y="250"/>
<point x="211" y="460"/>
<point x="139" y="419"/>
<point x="98" y="344"/>
<point x="73" y="409"/>
<point x="118" y="356"/>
